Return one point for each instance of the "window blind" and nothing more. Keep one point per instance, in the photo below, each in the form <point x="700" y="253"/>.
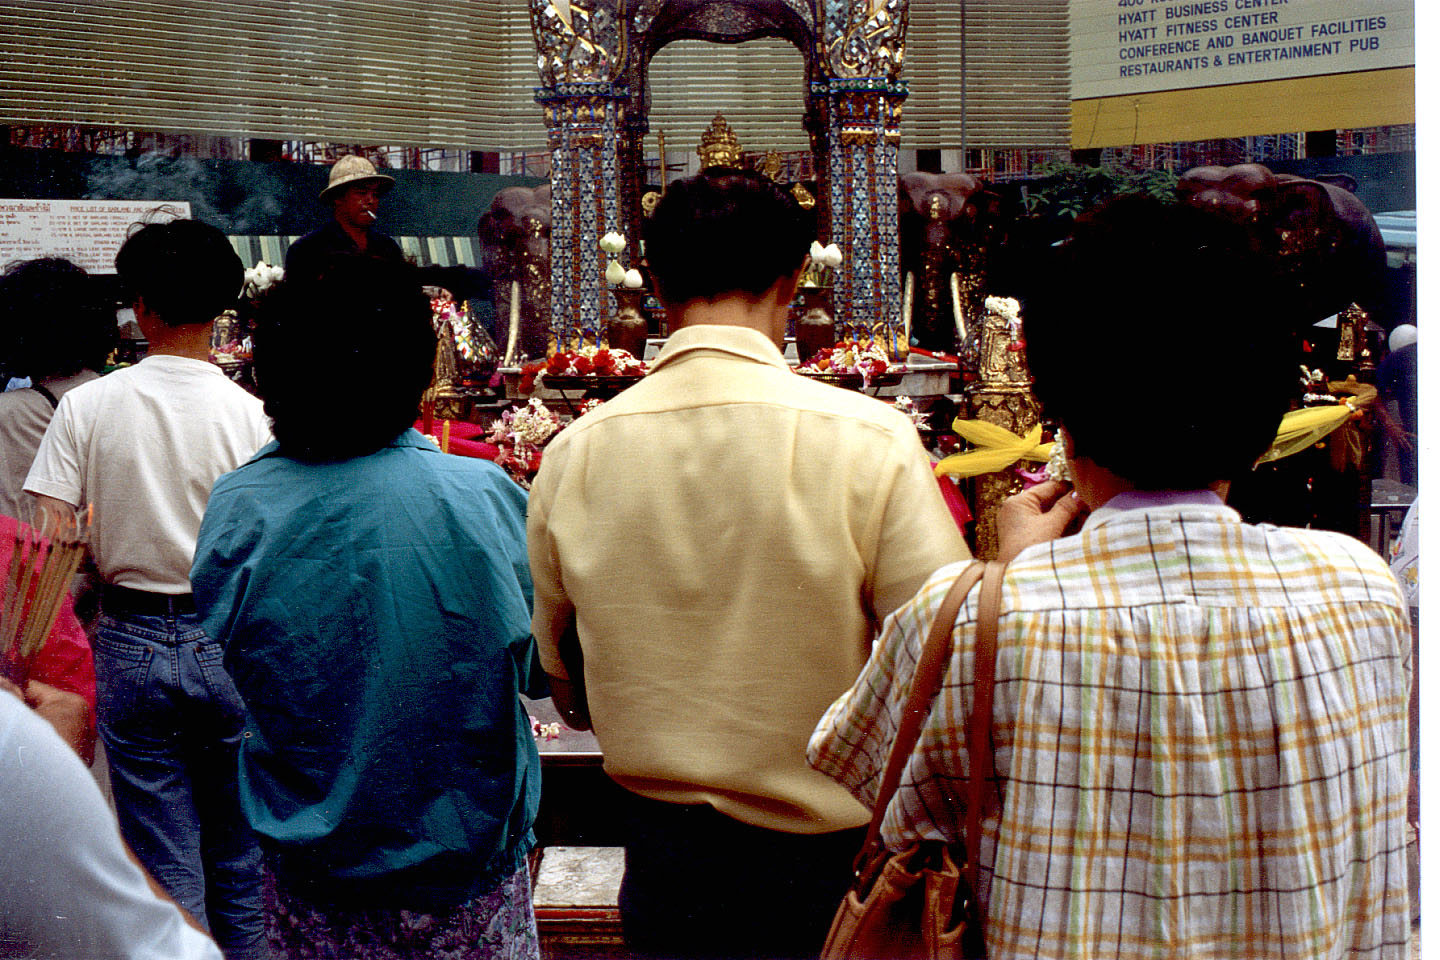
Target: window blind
<point x="759" y="85"/>
<point x="432" y="73"/>
<point x="1016" y="74"/>
<point x="408" y="72"/>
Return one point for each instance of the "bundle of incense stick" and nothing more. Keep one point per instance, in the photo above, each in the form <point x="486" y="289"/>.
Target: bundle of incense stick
<point x="43" y="560"/>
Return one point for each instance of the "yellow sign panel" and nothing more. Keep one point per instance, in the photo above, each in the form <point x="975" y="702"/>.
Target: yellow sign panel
<point x="1337" y="102"/>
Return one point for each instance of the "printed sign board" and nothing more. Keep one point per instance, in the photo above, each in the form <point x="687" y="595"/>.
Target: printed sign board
<point x="1125" y="47"/>
<point x="85" y="232"/>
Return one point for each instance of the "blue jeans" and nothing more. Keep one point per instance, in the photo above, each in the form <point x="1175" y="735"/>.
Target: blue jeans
<point x="171" y="720"/>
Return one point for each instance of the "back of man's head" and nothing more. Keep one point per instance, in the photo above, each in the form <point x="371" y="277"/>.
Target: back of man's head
<point x="184" y="270"/>
<point x="54" y="319"/>
<point x="360" y="330"/>
<point x="723" y="232"/>
<point x="1163" y="343"/>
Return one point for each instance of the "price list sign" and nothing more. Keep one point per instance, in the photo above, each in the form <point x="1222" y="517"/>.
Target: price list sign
<point x="1124" y="47"/>
<point x="85" y="232"/>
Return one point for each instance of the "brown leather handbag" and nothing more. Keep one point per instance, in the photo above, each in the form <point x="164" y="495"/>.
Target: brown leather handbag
<point x="920" y="902"/>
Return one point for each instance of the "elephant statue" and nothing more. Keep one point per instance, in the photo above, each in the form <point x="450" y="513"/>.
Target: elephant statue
<point x="515" y="241"/>
<point x="946" y="226"/>
<point x="1321" y="237"/>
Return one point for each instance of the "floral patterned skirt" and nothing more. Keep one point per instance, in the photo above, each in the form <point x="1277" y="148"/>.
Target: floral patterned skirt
<point x="499" y="925"/>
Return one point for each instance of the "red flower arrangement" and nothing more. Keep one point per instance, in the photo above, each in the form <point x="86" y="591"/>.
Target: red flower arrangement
<point x="585" y="362"/>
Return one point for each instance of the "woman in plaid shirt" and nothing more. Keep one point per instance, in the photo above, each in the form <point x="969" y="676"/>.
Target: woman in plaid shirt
<point x="1200" y="724"/>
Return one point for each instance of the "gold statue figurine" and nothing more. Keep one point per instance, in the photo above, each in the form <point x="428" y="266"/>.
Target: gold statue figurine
<point x="719" y="147"/>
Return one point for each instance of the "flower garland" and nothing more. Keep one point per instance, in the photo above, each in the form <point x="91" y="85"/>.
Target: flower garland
<point x="444" y="309"/>
<point x="521" y="433"/>
<point x="848" y="357"/>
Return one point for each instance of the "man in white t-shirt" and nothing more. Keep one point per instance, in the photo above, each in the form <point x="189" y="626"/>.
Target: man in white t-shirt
<point x="143" y="446"/>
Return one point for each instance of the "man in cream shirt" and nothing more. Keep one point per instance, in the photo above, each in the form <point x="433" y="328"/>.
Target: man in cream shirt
<point x="143" y="446"/>
<point x="722" y="541"/>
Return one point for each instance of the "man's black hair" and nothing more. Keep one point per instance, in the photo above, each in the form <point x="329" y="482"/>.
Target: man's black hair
<point x="185" y="270"/>
<point x="724" y="231"/>
<point x="55" y="320"/>
<point x="360" y="331"/>
<point x="1160" y="339"/>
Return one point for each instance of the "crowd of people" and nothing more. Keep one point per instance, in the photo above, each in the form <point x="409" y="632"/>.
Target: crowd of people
<point x="316" y="630"/>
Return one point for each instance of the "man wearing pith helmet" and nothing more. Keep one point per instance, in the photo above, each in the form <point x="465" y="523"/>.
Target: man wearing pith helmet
<point x="354" y="193"/>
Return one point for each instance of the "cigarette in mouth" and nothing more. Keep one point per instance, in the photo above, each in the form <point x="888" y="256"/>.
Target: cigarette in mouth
<point x="371" y="214"/>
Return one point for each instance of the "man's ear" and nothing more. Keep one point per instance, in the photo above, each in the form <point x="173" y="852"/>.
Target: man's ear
<point x="140" y="308"/>
<point x="787" y="285"/>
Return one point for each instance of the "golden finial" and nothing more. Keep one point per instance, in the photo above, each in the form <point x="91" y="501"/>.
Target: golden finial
<point x="719" y="147"/>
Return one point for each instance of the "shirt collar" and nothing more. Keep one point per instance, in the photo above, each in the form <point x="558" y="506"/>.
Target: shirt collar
<point x="1159" y="500"/>
<point x="410" y="438"/>
<point x="338" y="233"/>
<point x="170" y="361"/>
<point x="741" y="342"/>
<point x="413" y="438"/>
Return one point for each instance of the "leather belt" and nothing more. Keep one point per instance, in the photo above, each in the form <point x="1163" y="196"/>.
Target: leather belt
<point x="116" y="599"/>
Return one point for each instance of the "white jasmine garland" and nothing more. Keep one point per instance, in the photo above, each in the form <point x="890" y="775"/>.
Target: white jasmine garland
<point x="1007" y="308"/>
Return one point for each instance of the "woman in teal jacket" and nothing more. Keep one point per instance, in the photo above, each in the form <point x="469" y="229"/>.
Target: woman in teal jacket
<point x="373" y="596"/>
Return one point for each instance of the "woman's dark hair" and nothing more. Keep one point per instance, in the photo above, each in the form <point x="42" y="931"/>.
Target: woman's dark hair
<point x="356" y="341"/>
<point x="185" y="270"/>
<point x="55" y="320"/>
<point x="1159" y="338"/>
<point x="723" y="231"/>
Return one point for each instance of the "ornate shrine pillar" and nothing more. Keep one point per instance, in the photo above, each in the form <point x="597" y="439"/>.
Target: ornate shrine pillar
<point x="584" y="121"/>
<point x="861" y="185"/>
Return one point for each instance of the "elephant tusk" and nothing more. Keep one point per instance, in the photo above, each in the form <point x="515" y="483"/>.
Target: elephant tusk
<point x="513" y="340"/>
<point x="959" y="310"/>
<point x="907" y="306"/>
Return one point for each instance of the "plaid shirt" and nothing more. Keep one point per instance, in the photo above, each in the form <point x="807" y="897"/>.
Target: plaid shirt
<point x="1200" y="738"/>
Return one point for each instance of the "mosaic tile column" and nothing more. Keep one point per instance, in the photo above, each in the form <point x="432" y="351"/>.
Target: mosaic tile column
<point x="864" y="134"/>
<point x="584" y="122"/>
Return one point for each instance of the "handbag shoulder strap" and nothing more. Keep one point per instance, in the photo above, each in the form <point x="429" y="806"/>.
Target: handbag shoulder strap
<point x="929" y="672"/>
<point x="44" y="391"/>
<point x="978" y="728"/>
